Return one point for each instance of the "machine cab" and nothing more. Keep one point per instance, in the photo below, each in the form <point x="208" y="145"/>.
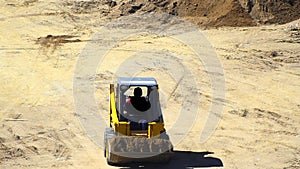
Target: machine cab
<point x="148" y="109"/>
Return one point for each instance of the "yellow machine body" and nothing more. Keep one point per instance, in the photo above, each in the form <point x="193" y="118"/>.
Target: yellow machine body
<point x="125" y="143"/>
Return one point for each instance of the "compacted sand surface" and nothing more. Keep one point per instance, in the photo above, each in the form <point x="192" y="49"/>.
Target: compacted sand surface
<point x="40" y="128"/>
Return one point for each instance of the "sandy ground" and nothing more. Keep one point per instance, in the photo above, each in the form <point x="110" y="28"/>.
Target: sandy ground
<point x="40" y="127"/>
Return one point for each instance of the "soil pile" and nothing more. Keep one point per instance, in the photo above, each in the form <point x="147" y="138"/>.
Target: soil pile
<point x="272" y="11"/>
<point x="216" y="13"/>
<point x="201" y="12"/>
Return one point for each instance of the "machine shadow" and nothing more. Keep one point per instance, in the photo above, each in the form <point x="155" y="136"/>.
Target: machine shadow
<point x="182" y="160"/>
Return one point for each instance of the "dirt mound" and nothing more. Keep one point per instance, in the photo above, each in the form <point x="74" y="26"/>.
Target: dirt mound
<point x="270" y="11"/>
<point x="217" y="13"/>
<point x="201" y="12"/>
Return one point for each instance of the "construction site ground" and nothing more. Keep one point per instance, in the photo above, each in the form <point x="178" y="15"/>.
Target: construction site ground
<point x="40" y="127"/>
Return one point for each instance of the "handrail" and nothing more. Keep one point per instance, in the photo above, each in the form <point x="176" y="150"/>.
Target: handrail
<point x="113" y="110"/>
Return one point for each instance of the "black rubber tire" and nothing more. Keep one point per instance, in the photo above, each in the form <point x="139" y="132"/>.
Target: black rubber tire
<point x="104" y="151"/>
<point x="109" y="133"/>
<point x="108" y="151"/>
